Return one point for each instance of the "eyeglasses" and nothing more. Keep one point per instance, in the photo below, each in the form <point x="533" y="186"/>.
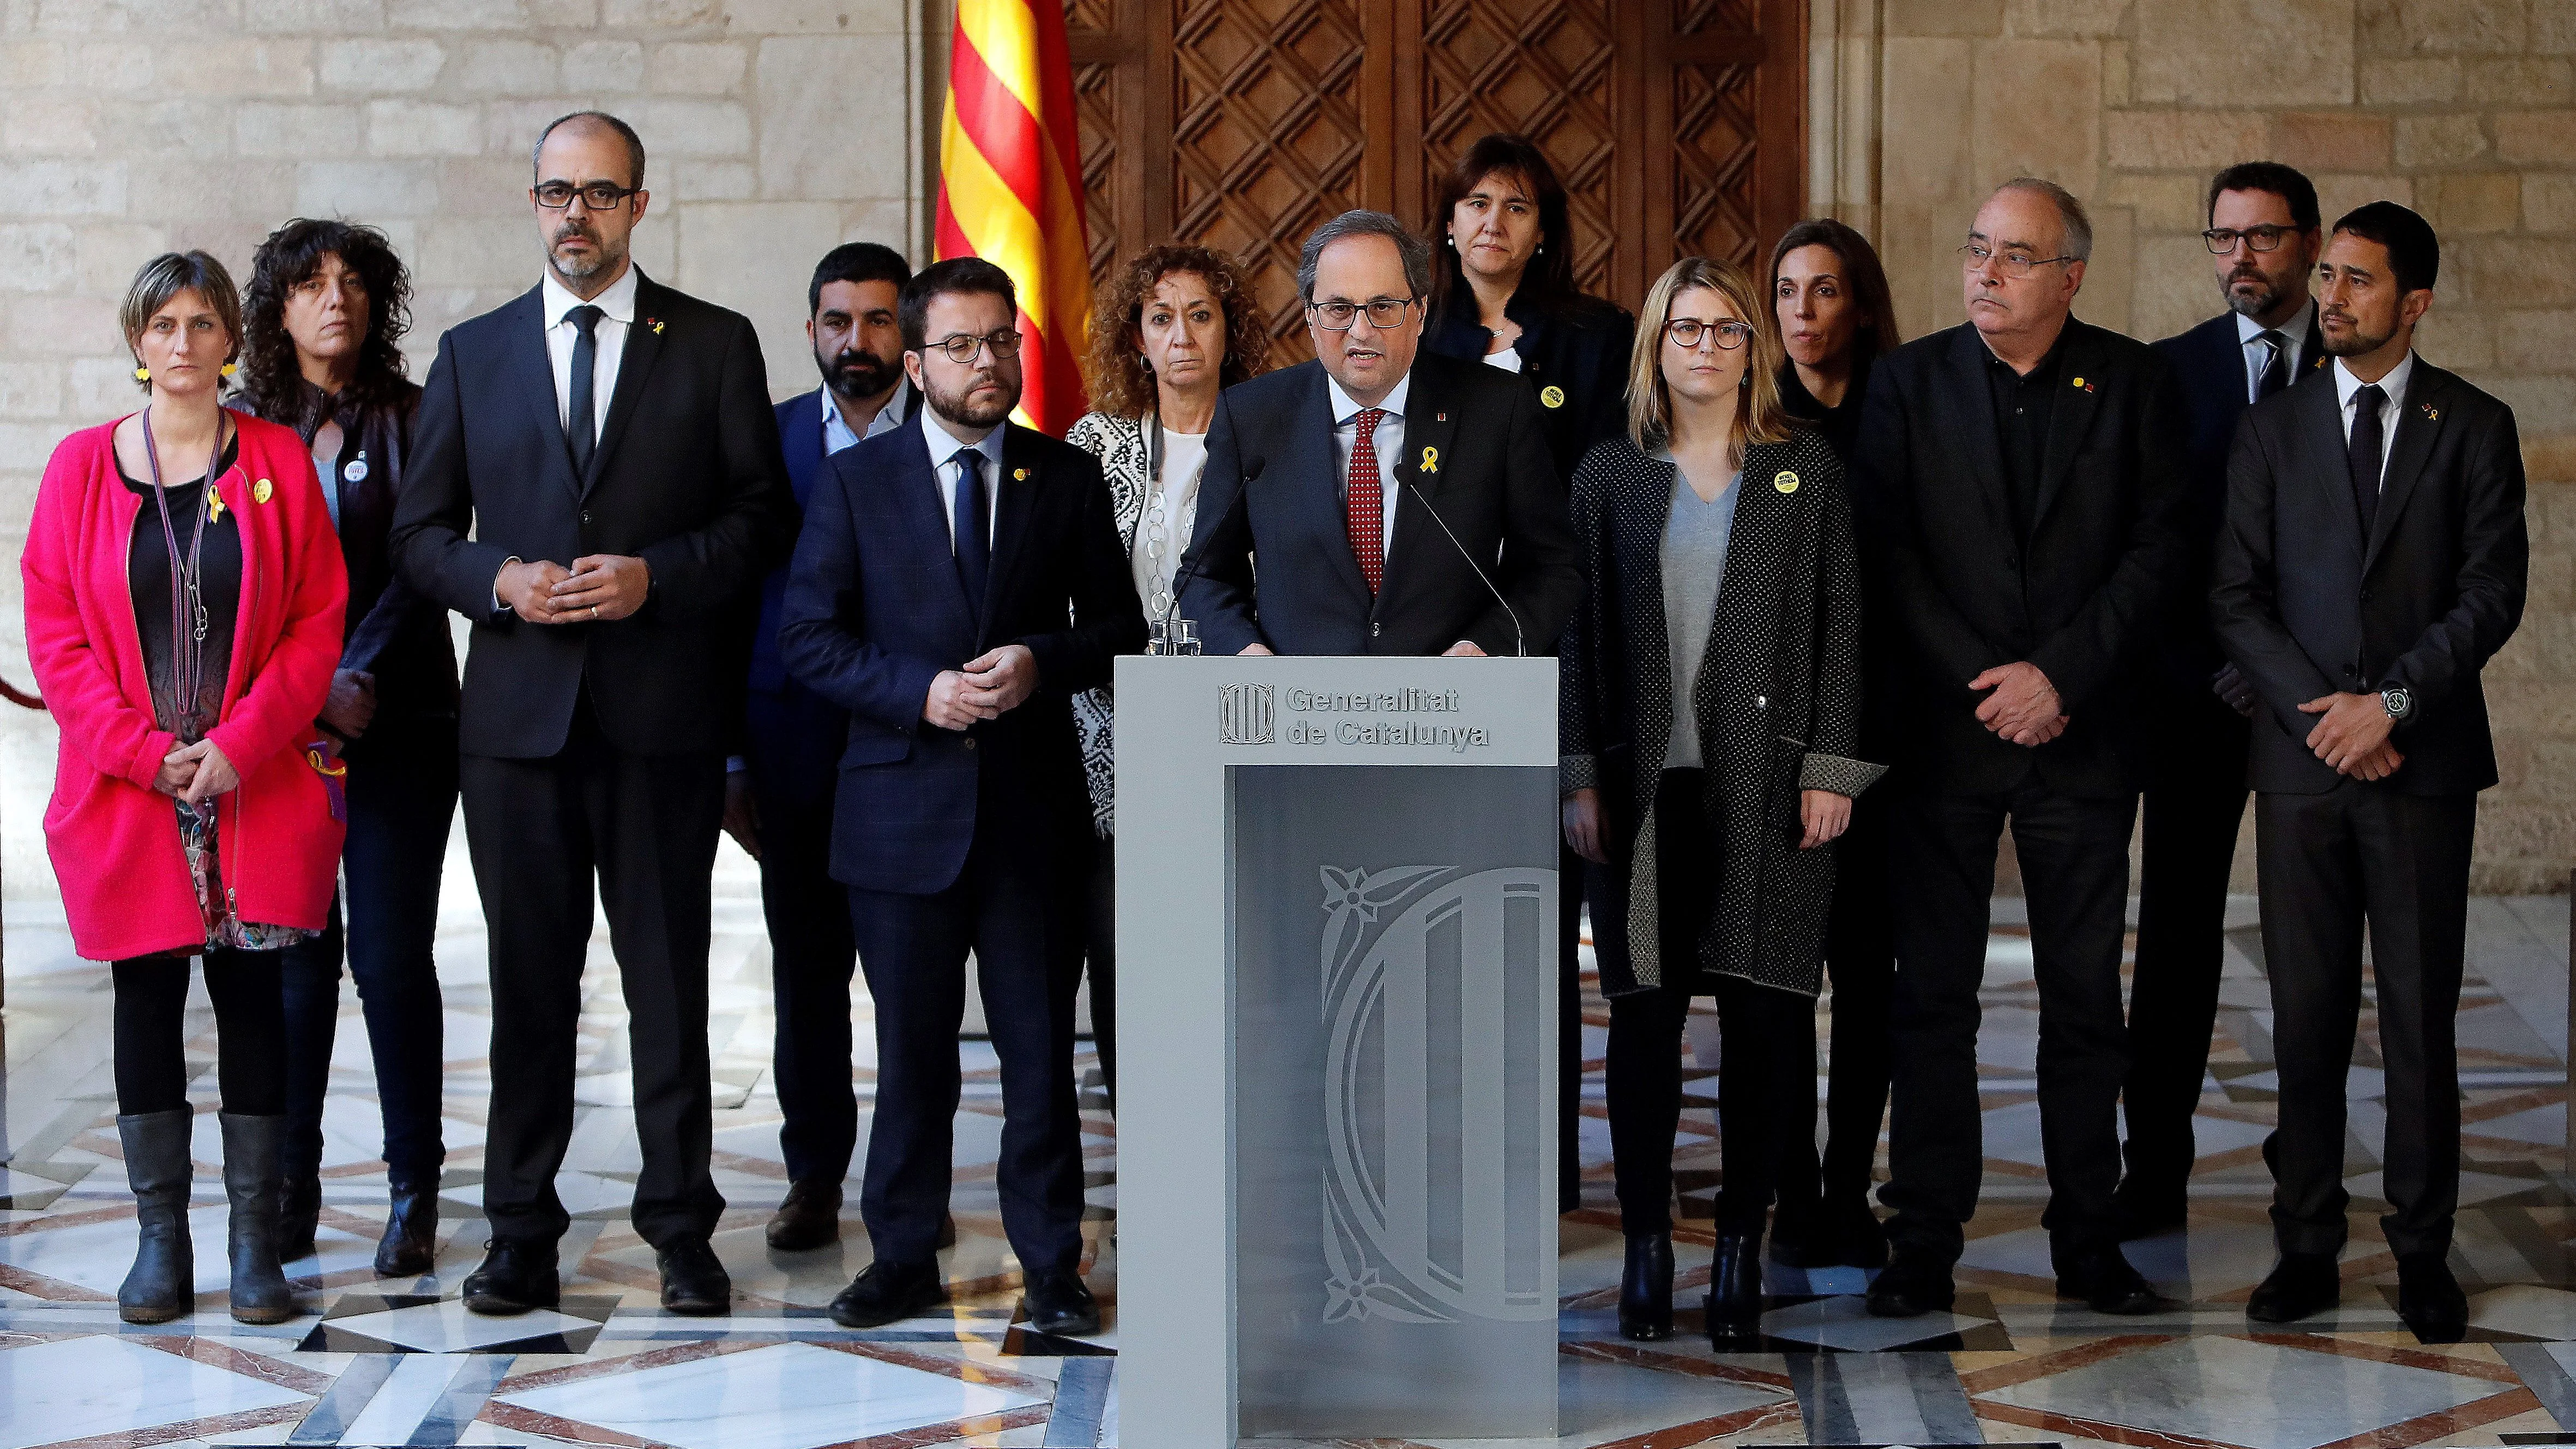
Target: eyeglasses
<point x="962" y="347"/>
<point x="2011" y="264"/>
<point x="1383" y="312"/>
<point x="597" y="196"/>
<point x="2222" y="240"/>
<point x="1688" y="332"/>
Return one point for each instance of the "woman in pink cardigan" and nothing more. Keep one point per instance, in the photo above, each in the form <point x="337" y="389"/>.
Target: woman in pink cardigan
<point x="184" y="633"/>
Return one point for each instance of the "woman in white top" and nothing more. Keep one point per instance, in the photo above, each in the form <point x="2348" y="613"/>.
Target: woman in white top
<point x="1177" y="325"/>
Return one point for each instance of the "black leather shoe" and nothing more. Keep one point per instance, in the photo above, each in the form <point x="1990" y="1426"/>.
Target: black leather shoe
<point x="2429" y="1298"/>
<point x="410" y="1244"/>
<point x="1911" y="1285"/>
<point x="2109" y="1284"/>
<point x="1734" y="1305"/>
<point x="809" y="1216"/>
<point x="1646" y="1288"/>
<point x="886" y="1293"/>
<point x="2142" y="1214"/>
<point x="2300" y="1285"/>
<point x="1060" y="1303"/>
<point x="515" y="1277"/>
<point x="694" y="1281"/>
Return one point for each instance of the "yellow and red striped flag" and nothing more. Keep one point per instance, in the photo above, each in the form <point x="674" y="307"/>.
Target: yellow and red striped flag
<point x="1010" y="188"/>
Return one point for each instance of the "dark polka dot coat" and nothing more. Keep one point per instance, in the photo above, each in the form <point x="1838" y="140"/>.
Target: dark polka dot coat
<point x="1777" y="699"/>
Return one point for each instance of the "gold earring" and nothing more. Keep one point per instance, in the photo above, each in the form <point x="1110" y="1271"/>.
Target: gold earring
<point x="142" y="374"/>
<point x="229" y="369"/>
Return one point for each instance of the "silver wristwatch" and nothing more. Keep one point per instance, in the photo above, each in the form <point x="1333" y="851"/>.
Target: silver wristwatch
<point x="2397" y="701"/>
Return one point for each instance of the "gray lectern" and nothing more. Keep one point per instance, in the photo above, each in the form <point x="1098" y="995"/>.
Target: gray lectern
<point x="1337" y="1022"/>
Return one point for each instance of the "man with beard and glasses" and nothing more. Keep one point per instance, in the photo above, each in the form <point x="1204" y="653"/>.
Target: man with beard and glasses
<point x="2263" y="237"/>
<point x="778" y="792"/>
<point x="2374" y="558"/>
<point x="595" y="482"/>
<point x="956" y="582"/>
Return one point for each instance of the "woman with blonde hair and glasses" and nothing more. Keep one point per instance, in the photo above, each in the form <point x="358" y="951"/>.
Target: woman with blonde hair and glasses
<point x="1710" y="692"/>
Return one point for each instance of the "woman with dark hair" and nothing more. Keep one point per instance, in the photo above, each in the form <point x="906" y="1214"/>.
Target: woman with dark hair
<point x="1836" y="318"/>
<point x="1175" y="327"/>
<point x="328" y="306"/>
<point x="183" y="611"/>
<point x="1710" y="722"/>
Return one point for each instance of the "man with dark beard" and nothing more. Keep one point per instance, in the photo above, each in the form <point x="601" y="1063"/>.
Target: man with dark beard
<point x="2263" y="239"/>
<point x="595" y="483"/>
<point x="956" y="582"/>
<point x="2374" y="558"/>
<point x="778" y="792"/>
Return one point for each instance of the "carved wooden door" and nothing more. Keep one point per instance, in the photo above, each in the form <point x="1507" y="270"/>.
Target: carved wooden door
<point x="1677" y="126"/>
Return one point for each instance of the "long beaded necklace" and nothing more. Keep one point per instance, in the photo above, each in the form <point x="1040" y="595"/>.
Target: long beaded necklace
<point x="188" y="621"/>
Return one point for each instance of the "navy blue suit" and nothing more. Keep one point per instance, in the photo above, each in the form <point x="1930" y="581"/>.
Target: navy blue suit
<point x="953" y="841"/>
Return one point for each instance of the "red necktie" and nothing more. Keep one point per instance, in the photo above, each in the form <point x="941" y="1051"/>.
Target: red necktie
<point x="1364" y="500"/>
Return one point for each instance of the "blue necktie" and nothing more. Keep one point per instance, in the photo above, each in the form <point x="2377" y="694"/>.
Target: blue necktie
<point x="974" y="540"/>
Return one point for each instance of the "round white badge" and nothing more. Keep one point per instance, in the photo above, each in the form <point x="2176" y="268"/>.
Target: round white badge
<point x="356" y="472"/>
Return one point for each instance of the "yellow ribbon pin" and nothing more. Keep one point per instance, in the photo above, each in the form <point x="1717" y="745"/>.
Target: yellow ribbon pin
<point x="1431" y="460"/>
<point x="1551" y="396"/>
<point x="260" y="490"/>
<point x="1785" y="481"/>
<point x="214" y="506"/>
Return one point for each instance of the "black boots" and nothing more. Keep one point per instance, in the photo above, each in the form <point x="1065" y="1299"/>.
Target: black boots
<point x="1735" y="1288"/>
<point x="163" y="1283"/>
<point x="410" y="1244"/>
<point x="1646" y="1288"/>
<point x="299" y="1217"/>
<point x="259" y="1291"/>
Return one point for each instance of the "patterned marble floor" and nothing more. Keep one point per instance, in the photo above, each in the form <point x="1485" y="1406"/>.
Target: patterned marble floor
<point x="398" y="1362"/>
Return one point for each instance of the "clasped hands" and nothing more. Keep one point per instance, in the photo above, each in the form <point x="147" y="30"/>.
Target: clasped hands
<point x="598" y="586"/>
<point x="196" y="773"/>
<point x="983" y="688"/>
<point x="2024" y="707"/>
<point x="2353" y="737"/>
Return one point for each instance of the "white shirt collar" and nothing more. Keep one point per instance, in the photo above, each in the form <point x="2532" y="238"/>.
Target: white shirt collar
<point x="618" y="302"/>
<point x="944" y="445"/>
<point x="1344" y="409"/>
<point x="2296" y="329"/>
<point x="2394" y="384"/>
<point x="836" y="429"/>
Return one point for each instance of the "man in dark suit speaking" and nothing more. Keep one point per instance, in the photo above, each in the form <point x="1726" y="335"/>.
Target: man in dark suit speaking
<point x="595" y="482"/>
<point x="1398" y="503"/>
<point x="2374" y="560"/>
<point x="957" y="580"/>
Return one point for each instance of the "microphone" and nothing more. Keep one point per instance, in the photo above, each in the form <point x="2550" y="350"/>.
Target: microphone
<point x="1190" y="565"/>
<point x="1520" y="641"/>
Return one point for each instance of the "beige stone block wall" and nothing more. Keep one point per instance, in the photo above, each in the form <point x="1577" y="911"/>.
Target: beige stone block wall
<point x="2463" y="109"/>
<point x="775" y="129"/>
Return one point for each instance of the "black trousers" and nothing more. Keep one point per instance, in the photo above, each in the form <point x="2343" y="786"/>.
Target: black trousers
<point x="1860" y="961"/>
<point x="539" y="832"/>
<point x="1573" y="873"/>
<point x="1017" y="905"/>
<point x="151" y="1066"/>
<point x="2399" y="863"/>
<point x="2194" y="802"/>
<point x="2074" y="856"/>
<point x="1100" y="958"/>
<point x="793" y="757"/>
<point x="1642" y="1071"/>
<point x="401" y="790"/>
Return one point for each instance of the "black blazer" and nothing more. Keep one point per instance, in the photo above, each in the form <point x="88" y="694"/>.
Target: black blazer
<point x="876" y="609"/>
<point x="2307" y="607"/>
<point x="2209" y="362"/>
<point x="1273" y="488"/>
<point x="1966" y="593"/>
<point x="1574" y="351"/>
<point x="687" y="476"/>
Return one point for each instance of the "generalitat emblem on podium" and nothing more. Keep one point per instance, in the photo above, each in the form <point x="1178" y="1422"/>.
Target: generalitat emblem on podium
<point x="1416" y="1114"/>
<point x="1246" y="714"/>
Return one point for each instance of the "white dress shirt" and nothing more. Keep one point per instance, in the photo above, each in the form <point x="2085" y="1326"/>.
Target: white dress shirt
<point x="2258" y="353"/>
<point x="1509" y="359"/>
<point x="836" y="429"/>
<point x="2394" y="406"/>
<point x="944" y="449"/>
<point x="1388" y="440"/>
<point x="609" y="333"/>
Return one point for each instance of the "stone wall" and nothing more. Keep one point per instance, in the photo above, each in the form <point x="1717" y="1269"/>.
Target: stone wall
<point x="2463" y="109"/>
<point x="775" y="130"/>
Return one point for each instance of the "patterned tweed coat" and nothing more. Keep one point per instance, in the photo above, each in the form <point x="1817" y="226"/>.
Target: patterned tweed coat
<point x="1777" y="699"/>
<point x="1119" y="444"/>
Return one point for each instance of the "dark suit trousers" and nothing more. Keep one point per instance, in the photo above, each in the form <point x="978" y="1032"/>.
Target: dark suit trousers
<point x="2329" y="863"/>
<point x="539" y="830"/>
<point x="1017" y="905"/>
<point x="2195" y="799"/>
<point x="1860" y="961"/>
<point x="402" y="801"/>
<point x="794" y="759"/>
<point x="2074" y="856"/>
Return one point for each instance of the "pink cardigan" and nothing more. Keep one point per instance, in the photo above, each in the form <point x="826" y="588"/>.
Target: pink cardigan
<point x="113" y="839"/>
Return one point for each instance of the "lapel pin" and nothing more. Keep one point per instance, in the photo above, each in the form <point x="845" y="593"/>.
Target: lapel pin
<point x="214" y="506"/>
<point x="260" y="490"/>
<point x="1785" y="481"/>
<point x="2432" y="414"/>
<point x="2086" y="386"/>
<point x="1431" y="458"/>
<point x="1019" y="475"/>
<point x="655" y="323"/>
<point x="1439" y="417"/>
<point x="1551" y="396"/>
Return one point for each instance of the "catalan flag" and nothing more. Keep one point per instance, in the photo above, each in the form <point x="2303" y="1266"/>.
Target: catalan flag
<point x="1010" y="187"/>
